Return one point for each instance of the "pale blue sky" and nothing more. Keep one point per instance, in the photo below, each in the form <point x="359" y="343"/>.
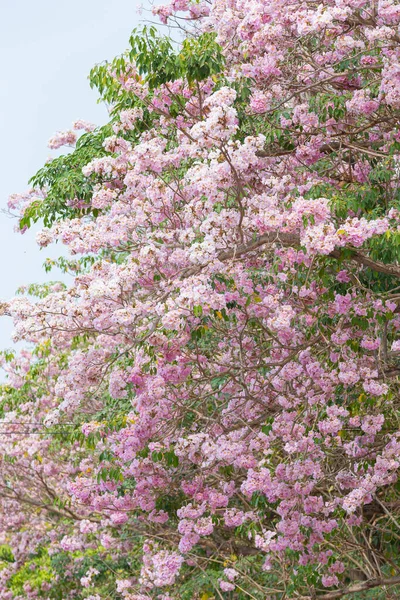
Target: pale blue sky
<point x="47" y="49"/>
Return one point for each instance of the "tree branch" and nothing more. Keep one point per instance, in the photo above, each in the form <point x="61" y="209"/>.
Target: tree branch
<point x="357" y="587"/>
<point x="293" y="239"/>
<point x="328" y="148"/>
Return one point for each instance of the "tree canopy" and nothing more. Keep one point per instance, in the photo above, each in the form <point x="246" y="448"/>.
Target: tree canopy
<point x="210" y="410"/>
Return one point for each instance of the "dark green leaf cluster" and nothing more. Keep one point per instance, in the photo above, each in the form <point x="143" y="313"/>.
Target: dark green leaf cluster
<point x="64" y="184"/>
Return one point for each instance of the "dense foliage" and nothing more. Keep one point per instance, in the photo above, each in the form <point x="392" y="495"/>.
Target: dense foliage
<point x="211" y="408"/>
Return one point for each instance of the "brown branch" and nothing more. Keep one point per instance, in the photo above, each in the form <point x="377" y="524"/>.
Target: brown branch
<point x="293" y="239"/>
<point x="374" y="265"/>
<point x="17" y="497"/>
<point x="286" y="239"/>
<point x="390" y="373"/>
<point x="328" y="148"/>
<point x="357" y="587"/>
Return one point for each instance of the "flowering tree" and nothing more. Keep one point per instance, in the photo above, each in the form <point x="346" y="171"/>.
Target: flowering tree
<point x="215" y="398"/>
